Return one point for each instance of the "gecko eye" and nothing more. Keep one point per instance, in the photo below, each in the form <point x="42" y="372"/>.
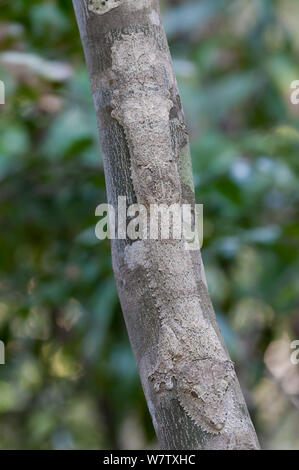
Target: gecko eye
<point x="194" y="394"/>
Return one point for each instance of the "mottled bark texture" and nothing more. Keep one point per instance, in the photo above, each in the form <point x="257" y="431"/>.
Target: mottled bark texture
<point x="188" y="378"/>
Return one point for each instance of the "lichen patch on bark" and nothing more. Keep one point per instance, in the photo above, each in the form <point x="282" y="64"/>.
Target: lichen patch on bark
<point x="185" y="168"/>
<point x="154" y="17"/>
<point x="100" y="7"/>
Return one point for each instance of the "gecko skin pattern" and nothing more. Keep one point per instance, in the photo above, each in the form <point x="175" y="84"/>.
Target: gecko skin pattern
<point x="190" y="359"/>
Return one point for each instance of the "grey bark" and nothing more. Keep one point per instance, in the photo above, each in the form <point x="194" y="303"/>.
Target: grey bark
<point x="187" y="376"/>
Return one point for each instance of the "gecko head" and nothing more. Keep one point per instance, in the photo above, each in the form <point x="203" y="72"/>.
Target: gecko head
<point x="207" y="412"/>
<point x="203" y="394"/>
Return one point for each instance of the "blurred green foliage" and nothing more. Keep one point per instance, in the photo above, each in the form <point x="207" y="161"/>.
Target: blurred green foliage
<point x="70" y="380"/>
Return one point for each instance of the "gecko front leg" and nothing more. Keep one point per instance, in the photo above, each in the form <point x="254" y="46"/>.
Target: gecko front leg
<point x="168" y="351"/>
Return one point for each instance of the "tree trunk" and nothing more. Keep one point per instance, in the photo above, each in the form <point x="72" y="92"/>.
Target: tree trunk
<point x="187" y="376"/>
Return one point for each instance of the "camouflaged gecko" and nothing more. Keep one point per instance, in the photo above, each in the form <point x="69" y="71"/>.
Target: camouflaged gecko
<point x="190" y="358"/>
